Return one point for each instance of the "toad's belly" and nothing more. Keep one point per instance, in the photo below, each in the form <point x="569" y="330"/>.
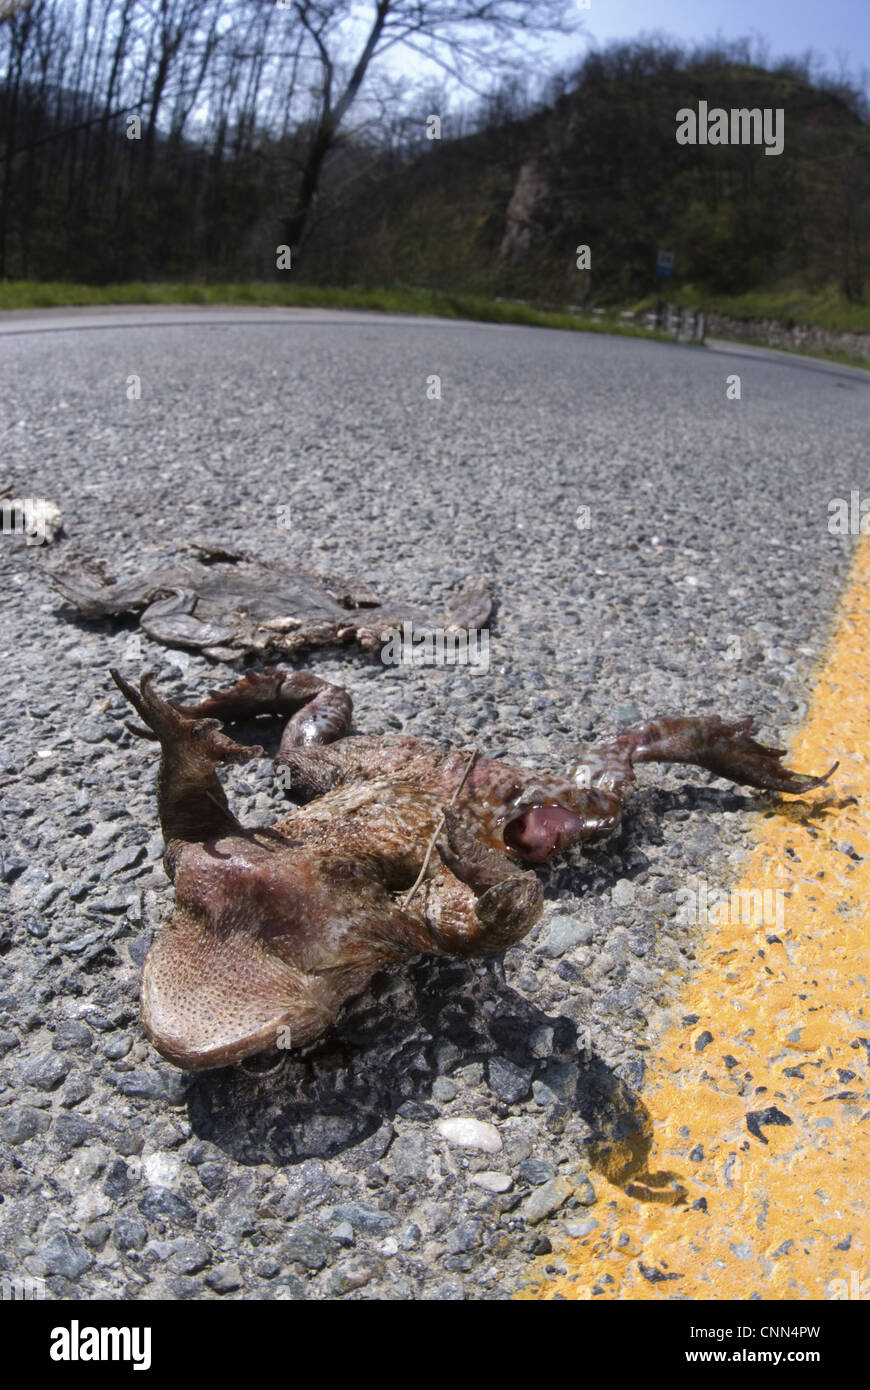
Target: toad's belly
<point x="394" y="822"/>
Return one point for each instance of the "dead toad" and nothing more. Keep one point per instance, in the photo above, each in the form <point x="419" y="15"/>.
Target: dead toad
<point x="399" y="848"/>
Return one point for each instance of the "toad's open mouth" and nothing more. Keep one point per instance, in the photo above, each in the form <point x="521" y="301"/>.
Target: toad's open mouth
<point x="540" y="832"/>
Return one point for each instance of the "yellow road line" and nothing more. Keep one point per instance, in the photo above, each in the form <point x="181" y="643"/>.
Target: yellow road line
<point x="790" y="1024"/>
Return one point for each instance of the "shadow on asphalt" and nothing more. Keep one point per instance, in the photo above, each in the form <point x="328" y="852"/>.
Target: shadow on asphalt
<point x="383" y="1060"/>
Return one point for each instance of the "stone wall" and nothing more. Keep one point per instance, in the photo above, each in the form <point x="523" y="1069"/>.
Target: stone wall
<point x="773" y="333"/>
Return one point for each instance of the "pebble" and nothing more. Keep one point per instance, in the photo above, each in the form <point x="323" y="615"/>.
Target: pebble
<point x="307" y="1246"/>
<point x="225" y="1278"/>
<point x="212" y="1176"/>
<point x="541" y="1042"/>
<point x="536" y="1171"/>
<point x="119" y="1179"/>
<point x="565" y="934"/>
<point x="102" y="835"/>
<point x="75" y="1129"/>
<point x="20" y="1123"/>
<point x="443" y="1089"/>
<point x="464" y="1237"/>
<point x="361" y="1217"/>
<point x="560" y="1078"/>
<point x="352" y="1275"/>
<point x="170" y="1205"/>
<point x="543" y="1094"/>
<point x="64" y="1254"/>
<point x="576" y="1229"/>
<point x="167" y="1086"/>
<point x="96" y="1234"/>
<point x="124" y="859"/>
<point x="162" y="1169"/>
<point x="44" y="1070"/>
<point x="71" y="1033"/>
<point x="463" y="1132"/>
<point x="546" y="1199"/>
<point x="509" y="1081"/>
<point x="585" y="1193"/>
<point x="624" y="893"/>
<point x="493" y="1181"/>
<point x="410" y="1154"/>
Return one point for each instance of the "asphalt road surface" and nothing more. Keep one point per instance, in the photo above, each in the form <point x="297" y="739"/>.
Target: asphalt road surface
<point x="653" y="546"/>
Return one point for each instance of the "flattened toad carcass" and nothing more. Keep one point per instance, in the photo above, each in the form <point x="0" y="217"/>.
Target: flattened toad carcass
<point x="228" y="605"/>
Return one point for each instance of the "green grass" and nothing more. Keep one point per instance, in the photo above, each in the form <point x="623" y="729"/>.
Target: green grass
<point x="30" y="294"/>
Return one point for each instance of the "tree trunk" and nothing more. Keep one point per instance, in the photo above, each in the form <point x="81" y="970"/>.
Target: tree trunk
<point x="296" y="225"/>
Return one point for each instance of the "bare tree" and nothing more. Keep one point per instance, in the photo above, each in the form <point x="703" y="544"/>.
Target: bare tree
<point x="21" y="27"/>
<point x="463" y="37"/>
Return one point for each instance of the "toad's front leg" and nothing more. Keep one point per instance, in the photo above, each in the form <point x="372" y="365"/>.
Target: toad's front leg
<point x="319" y="711"/>
<point x="723" y="747"/>
<point x="605" y="779"/>
<point x="477" y="902"/>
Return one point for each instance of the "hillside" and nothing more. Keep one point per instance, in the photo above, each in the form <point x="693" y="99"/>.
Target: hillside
<point x="498" y="212"/>
<point x="502" y="211"/>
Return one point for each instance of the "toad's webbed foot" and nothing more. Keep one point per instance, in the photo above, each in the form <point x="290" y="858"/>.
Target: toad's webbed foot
<point x="182" y="735"/>
<point x="728" y="750"/>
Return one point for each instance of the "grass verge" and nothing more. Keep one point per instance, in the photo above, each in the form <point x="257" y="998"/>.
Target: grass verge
<point x="30" y="294"/>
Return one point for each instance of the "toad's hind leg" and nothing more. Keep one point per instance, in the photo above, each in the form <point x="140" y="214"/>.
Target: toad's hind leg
<point x="191" y="802"/>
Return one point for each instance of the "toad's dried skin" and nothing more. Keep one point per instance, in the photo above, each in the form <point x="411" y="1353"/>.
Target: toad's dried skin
<point x="273" y="930"/>
<point x="227" y="605"/>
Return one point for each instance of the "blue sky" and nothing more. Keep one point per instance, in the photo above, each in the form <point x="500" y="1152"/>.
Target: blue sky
<point x="838" y="30"/>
